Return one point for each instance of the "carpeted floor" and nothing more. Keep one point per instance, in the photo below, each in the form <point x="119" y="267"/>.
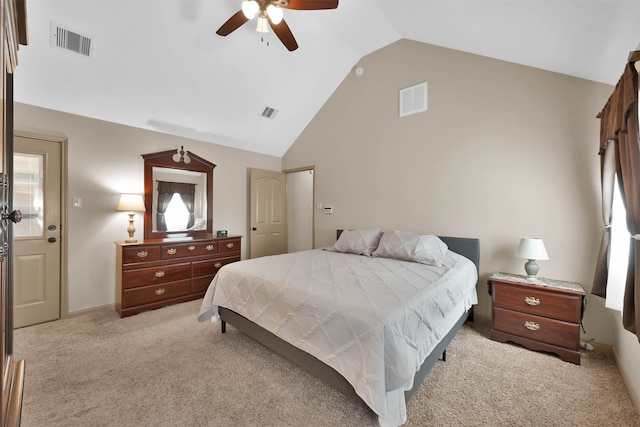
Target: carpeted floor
<point x="163" y="368"/>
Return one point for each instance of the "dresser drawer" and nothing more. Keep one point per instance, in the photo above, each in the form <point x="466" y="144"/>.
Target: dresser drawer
<point x="211" y="266"/>
<point x="154" y="275"/>
<point x="181" y="250"/>
<point x="557" y="305"/>
<point x="200" y="284"/>
<point x="550" y="331"/>
<point x="140" y="254"/>
<point x="155" y="293"/>
<point x="226" y="246"/>
<point x="203" y="272"/>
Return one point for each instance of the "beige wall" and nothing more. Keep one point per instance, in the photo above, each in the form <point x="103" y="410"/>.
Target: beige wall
<point x="103" y="162"/>
<point x="504" y="151"/>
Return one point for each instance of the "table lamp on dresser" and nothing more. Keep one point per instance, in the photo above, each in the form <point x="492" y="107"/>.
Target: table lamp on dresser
<point x="131" y="203"/>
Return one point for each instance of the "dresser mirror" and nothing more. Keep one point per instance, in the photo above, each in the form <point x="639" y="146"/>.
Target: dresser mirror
<point x="178" y="187"/>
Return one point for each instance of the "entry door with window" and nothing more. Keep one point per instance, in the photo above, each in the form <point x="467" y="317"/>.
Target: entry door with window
<point x="36" y="193"/>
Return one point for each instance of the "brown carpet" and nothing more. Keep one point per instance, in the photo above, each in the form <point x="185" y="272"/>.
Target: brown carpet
<point x="163" y="368"/>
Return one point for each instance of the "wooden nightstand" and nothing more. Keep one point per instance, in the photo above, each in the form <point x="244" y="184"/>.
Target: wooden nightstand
<point x="537" y="313"/>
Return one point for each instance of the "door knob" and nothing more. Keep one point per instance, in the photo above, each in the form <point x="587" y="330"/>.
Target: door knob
<point x="51" y="240"/>
<point x="254" y="229"/>
<point x="15" y="216"/>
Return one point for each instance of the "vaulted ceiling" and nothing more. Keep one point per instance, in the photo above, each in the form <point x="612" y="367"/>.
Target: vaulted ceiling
<point x="159" y="65"/>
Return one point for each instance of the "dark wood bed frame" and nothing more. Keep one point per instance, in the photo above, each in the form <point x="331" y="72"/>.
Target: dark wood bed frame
<point x="467" y="247"/>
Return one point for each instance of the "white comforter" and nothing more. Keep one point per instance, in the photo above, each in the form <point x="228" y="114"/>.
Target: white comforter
<point x="374" y="320"/>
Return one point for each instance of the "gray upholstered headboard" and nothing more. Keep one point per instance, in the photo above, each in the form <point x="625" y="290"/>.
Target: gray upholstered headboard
<point x="467" y="247"/>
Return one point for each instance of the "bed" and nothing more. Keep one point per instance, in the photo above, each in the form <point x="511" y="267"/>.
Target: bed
<point x="370" y="317"/>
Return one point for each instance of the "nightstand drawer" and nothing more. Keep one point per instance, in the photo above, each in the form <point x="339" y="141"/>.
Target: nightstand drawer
<point x="557" y="305"/>
<point x="550" y="331"/>
<point x="151" y="294"/>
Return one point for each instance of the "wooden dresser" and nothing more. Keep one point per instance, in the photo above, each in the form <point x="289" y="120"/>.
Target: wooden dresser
<point x="537" y="313"/>
<point x="156" y="273"/>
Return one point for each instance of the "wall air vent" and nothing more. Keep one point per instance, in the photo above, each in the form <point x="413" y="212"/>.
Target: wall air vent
<point x="269" y="113"/>
<point x="413" y="99"/>
<point x="70" y="40"/>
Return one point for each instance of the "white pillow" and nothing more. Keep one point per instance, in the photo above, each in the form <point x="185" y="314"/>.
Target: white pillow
<point x="406" y="246"/>
<point x="360" y="242"/>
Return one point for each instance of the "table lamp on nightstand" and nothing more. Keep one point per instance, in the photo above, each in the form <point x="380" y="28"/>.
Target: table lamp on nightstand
<point x="531" y="249"/>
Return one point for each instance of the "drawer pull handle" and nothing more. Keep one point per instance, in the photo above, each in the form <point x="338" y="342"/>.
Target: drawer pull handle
<point x="142" y="254"/>
<point x="229" y="245"/>
<point x="192" y="248"/>
<point x="210" y="247"/>
<point x="160" y="291"/>
<point x="217" y="265"/>
<point x="172" y="251"/>
<point x="532" y="326"/>
<point x="532" y="300"/>
<point x="160" y="273"/>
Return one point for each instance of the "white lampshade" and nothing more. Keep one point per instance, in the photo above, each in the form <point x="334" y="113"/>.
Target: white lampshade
<point x="250" y="8"/>
<point x="131" y="203"/>
<point x="275" y="14"/>
<point x="531" y="249"/>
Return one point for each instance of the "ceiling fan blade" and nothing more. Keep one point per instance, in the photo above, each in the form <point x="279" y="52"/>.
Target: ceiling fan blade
<point x="232" y="24"/>
<point x="311" y="4"/>
<point x="284" y="34"/>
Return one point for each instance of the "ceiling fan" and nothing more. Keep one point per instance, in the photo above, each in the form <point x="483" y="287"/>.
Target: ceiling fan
<point x="270" y="14"/>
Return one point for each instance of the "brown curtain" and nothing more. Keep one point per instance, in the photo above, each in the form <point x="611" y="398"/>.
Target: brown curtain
<point x="166" y="190"/>
<point x="620" y="155"/>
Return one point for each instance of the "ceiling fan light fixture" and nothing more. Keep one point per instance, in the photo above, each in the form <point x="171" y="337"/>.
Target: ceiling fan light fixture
<point x="275" y="14"/>
<point x="263" y="25"/>
<point x="250" y="8"/>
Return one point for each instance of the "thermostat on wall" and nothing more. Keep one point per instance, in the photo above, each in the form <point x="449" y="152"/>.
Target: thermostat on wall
<point x="328" y="210"/>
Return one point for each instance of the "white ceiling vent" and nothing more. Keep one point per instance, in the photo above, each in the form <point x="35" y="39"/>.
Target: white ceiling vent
<point x="269" y="113"/>
<point x="413" y="99"/>
<point x="70" y="40"/>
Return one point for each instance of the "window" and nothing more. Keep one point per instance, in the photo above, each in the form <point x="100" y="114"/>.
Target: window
<point x="177" y="214"/>
<point x="618" y="252"/>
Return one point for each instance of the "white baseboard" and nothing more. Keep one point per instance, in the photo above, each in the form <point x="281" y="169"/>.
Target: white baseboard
<point x="92" y="310"/>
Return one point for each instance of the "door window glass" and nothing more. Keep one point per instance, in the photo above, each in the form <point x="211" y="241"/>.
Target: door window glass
<point x="28" y="179"/>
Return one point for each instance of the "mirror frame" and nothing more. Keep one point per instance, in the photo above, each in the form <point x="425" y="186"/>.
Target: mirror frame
<point x="164" y="159"/>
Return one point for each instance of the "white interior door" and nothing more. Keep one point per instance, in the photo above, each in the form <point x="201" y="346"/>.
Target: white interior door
<point x="268" y="213"/>
<point x="37" y="249"/>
